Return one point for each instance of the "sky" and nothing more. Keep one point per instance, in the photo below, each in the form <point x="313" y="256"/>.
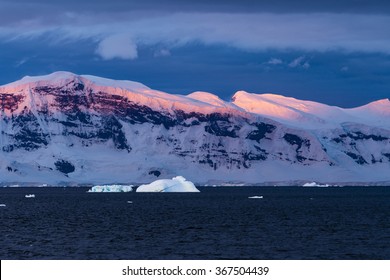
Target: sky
<point x="336" y="52"/>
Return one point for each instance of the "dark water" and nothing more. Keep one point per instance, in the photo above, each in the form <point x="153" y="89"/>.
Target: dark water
<point x="218" y="223"/>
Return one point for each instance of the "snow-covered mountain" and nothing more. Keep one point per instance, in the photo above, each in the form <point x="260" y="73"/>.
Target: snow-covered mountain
<point x="76" y="129"/>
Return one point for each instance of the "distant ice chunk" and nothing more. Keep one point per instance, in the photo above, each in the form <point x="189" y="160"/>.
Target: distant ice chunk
<point x="256" y="196"/>
<point x="29" y="196"/>
<point x="176" y="184"/>
<point x="314" y="184"/>
<point x="111" y="188"/>
<point x="3" y="205"/>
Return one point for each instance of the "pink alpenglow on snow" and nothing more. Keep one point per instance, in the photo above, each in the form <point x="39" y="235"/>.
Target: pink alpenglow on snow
<point x="70" y="129"/>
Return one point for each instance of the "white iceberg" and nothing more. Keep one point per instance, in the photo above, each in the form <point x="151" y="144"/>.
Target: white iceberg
<point x="29" y="196"/>
<point x="3" y="205"/>
<point x="111" y="188"/>
<point x="314" y="184"/>
<point x="176" y="184"/>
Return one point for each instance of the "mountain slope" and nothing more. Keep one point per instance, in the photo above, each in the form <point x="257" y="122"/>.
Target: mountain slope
<point x="65" y="128"/>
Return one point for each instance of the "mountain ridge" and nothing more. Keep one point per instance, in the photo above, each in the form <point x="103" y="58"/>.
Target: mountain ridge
<point x="65" y="128"/>
<point x="289" y="110"/>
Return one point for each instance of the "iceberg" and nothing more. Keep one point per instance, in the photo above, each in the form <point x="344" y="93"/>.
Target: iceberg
<point x="176" y="184"/>
<point x="3" y="205"/>
<point x="111" y="188"/>
<point x="256" y="196"/>
<point x="29" y="196"/>
<point x="314" y="184"/>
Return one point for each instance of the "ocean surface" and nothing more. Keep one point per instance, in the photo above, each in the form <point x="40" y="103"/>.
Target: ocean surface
<point x="217" y="223"/>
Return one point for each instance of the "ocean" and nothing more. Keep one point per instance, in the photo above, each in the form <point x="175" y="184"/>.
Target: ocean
<point x="217" y="223"/>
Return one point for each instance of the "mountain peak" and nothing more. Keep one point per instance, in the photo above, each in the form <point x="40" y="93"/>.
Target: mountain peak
<point x="61" y="78"/>
<point x="268" y="104"/>
<point x="239" y="94"/>
<point x="384" y="101"/>
<point x="54" y="77"/>
<point x="51" y="76"/>
<point x="380" y="107"/>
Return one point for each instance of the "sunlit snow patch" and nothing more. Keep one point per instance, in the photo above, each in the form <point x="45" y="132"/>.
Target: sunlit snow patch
<point x="111" y="188"/>
<point x="177" y="184"/>
<point x="256" y="196"/>
<point x="29" y="196"/>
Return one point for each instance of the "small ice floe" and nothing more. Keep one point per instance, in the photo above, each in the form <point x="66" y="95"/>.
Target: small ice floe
<point x="3" y="205"/>
<point x="256" y="196"/>
<point x="29" y="196"/>
<point x="129" y="202"/>
<point x="314" y="184"/>
<point x="176" y="184"/>
<point x="111" y="188"/>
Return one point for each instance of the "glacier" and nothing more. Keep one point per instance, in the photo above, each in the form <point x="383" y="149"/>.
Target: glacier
<point x="67" y="129"/>
<point x="176" y="184"/>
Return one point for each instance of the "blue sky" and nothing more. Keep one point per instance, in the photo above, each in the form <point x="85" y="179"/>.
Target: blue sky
<point x="334" y="52"/>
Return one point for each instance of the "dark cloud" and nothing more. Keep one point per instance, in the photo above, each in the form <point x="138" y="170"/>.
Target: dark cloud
<point x="335" y="52"/>
<point x="230" y="6"/>
<point x="251" y="32"/>
<point x="247" y="24"/>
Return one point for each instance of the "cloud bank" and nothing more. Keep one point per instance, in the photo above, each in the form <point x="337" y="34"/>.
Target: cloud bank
<point x="119" y="37"/>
